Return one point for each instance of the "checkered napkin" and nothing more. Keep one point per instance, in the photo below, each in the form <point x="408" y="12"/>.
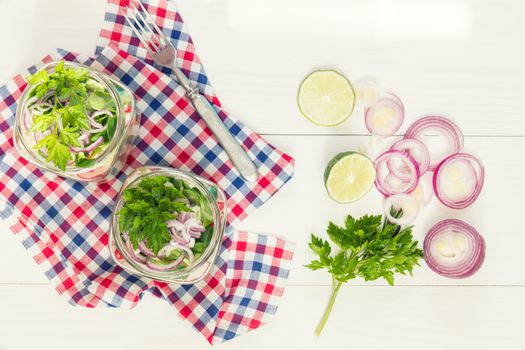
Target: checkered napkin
<point x="64" y="224"/>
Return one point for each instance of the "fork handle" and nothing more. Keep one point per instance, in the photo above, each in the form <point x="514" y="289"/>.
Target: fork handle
<point x="237" y="154"/>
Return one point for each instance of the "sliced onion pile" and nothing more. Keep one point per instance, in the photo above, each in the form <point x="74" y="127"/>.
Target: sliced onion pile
<point x="388" y="167"/>
<point x="458" y="180"/>
<point x="408" y="205"/>
<point x="427" y="161"/>
<point x="385" y="117"/>
<point x="450" y="136"/>
<point x="454" y="249"/>
<point x="417" y="150"/>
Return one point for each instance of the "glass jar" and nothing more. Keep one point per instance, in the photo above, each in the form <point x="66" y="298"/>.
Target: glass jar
<point x="114" y="156"/>
<point x="198" y="269"/>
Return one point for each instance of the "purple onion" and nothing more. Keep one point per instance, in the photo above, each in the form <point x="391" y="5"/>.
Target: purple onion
<point x="145" y="250"/>
<point x="387" y="182"/>
<point x="164" y="267"/>
<point x="445" y="257"/>
<point x="84" y="138"/>
<point x="168" y="248"/>
<point x="89" y="148"/>
<point x="176" y="224"/>
<point x="48" y="95"/>
<point x="95" y="131"/>
<point x="134" y="254"/>
<point x="92" y="117"/>
<point x="446" y="129"/>
<point x="474" y="172"/>
<point x="176" y="236"/>
<point x="185" y="216"/>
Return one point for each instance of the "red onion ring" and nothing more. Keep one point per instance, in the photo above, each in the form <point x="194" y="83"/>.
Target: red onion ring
<point x="408" y="204"/>
<point x="134" y="254"/>
<point x="145" y="250"/>
<point x="449" y="130"/>
<point x="417" y="150"/>
<point x="83" y="138"/>
<point x="89" y="148"/>
<point x="454" y="249"/>
<point x="470" y="181"/>
<point x="164" y="267"/>
<point x="166" y="250"/>
<point x="95" y="131"/>
<point x="385" y="117"/>
<point x="389" y="184"/>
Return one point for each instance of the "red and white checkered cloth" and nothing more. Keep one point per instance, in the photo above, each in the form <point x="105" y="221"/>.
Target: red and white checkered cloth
<point x="64" y="224"/>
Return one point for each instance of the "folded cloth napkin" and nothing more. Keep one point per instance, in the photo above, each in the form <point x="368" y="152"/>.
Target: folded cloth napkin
<point x="64" y="224"/>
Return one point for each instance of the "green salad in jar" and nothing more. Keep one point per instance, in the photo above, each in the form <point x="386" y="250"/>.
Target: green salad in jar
<point x="165" y="223"/>
<point x="71" y="116"/>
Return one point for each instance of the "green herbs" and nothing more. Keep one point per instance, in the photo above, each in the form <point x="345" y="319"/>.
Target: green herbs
<point x="195" y="197"/>
<point x="366" y="247"/>
<point x="146" y="209"/>
<point x="152" y="203"/>
<point x="61" y="105"/>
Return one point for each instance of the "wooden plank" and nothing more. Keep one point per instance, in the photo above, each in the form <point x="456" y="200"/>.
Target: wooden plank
<point x="368" y="318"/>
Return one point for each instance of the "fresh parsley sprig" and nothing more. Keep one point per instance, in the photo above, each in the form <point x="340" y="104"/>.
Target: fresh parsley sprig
<point x="367" y="247"/>
<point x="155" y="200"/>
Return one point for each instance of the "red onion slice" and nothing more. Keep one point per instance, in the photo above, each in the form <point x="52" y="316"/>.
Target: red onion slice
<point x="454" y="249"/>
<point x="135" y="255"/>
<point x="153" y="264"/>
<point x="389" y="184"/>
<point x="417" y="150"/>
<point x="385" y="117"/>
<point x="458" y="180"/>
<point x="408" y="204"/>
<point x="89" y="148"/>
<point x="145" y="250"/>
<point x="168" y="248"/>
<point x="446" y="129"/>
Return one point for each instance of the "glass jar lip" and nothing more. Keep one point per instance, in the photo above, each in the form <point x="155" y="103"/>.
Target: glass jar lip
<point x="194" y="180"/>
<point x="37" y="158"/>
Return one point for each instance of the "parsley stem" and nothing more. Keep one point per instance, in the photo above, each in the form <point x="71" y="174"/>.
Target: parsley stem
<point x="335" y="289"/>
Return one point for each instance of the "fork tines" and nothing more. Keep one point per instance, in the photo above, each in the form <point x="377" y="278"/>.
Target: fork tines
<point x="145" y="28"/>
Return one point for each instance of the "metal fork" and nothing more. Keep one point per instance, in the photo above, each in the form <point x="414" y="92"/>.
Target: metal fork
<point x="163" y="53"/>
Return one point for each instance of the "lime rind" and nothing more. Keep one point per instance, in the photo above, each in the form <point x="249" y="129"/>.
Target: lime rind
<point x="349" y="176"/>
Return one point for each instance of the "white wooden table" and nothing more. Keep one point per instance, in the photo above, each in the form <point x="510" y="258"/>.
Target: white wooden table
<point x="461" y="58"/>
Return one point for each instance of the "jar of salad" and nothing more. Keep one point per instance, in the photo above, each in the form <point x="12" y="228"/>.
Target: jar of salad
<point x="75" y="122"/>
<point x="167" y="225"/>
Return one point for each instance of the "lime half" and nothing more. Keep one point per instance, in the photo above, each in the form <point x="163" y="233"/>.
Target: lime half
<point x="349" y="176"/>
<point x="326" y="98"/>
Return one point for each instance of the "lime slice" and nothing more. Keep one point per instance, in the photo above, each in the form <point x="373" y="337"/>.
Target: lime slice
<point x="326" y="98"/>
<point x="349" y="176"/>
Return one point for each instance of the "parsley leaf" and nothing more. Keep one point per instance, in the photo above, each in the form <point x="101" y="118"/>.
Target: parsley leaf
<point x="66" y="117"/>
<point x="147" y="207"/>
<point x="57" y="152"/>
<point x="69" y="136"/>
<point x="367" y="247"/>
<point x="39" y="77"/>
